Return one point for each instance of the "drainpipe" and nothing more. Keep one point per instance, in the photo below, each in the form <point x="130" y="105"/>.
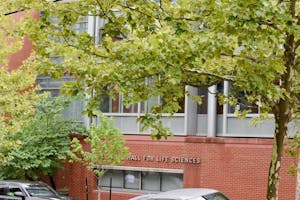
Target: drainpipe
<point x="212" y="112"/>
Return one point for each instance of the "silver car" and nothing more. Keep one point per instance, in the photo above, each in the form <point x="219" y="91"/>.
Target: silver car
<point x="28" y="190"/>
<point x="185" y="194"/>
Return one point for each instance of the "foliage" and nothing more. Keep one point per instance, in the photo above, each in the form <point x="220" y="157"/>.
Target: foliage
<point x="106" y="146"/>
<point x="43" y="145"/>
<point x="176" y="44"/>
<point x="252" y="43"/>
<point x="17" y="87"/>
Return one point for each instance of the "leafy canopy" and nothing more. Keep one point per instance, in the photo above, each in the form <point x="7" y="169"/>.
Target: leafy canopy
<point x="43" y="144"/>
<point x="106" y="146"/>
<point x="17" y="87"/>
<point x="252" y="43"/>
<point x="186" y="42"/>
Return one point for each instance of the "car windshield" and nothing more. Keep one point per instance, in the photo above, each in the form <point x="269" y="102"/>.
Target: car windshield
<point x="40" y="191"/>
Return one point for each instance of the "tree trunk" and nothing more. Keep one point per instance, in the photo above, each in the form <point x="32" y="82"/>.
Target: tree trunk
<point x="297" y="197"/>
<point x="282" y="117"/>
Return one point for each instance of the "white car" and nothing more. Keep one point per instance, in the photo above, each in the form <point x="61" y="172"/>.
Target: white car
<point x="185" y="194"/>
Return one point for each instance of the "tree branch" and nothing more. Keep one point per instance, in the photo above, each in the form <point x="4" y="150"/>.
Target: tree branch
<point x="109" y="18"/>
<point x="137" y="10"/>
<point x="199" y="72"/>
<point x="269" y="23"/>
<point x="297" y="44"/>
<point x="246" y="57"/>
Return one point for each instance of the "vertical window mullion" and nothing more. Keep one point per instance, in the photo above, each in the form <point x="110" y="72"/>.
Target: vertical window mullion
<point x="140" y="187"/>
<point x="120" y="104"/>
<point x="160" y="181"/>
<point x="124" y="180"/>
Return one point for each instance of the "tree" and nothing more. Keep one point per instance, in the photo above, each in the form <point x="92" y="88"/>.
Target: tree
<point x="43" y="144"/>
<point x="252" y="43"/>
<point x="293" y="150"/>
<point x="106" y="143"/>
<point x="17" y="87"/>
<point x="107" y="147"/>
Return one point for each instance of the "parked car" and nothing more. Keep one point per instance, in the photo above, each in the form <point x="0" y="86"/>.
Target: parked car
<point x="28" y="190"/>
<point x="185" y="194"/>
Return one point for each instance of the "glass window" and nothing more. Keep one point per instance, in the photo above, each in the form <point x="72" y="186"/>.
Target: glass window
<point x="151" y="181"/>
<point x="47" y="84"/>
<point x="141" y="180"/>
<point x="81" y="25"/>
<point x="202" y="108"/>
<point x="171" y="181"/>
<point x="215" y="196"/>
<point x="115" y="175"/>
<point x="242" y="102"/>
<point x="4" y="190"/>
<point x="13" y="189"/>
<point x="115" y="105"/>
<point x="40" y="191"/>
<point x="105" y="104"/>
<point x="147" y="106"/>
<point x="220" y="90"/>
<point x="132" y="180"/>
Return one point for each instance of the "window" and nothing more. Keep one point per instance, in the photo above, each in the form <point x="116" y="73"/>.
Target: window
<point x="203" y="93"/>
<point x="151" y="181"/>
<point x="202" y="108"/>
<point x="50" y="85"/>
<point x="115" y="105"/>
<point x="13" y="189"/>
<point x="116" y="178"/>
<point x="242" y="102"/>
<point x="132" y="180"/>
<point x="220" y="90"/>
<point x="81" y="25"/>
<point x="215" y="196"/>
<point x="171" y="181"/>
<point x="141" y="180"/>
<point x="53" y="86"/>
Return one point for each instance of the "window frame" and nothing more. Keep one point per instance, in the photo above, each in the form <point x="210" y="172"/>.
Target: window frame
<point x="139" y="170"/>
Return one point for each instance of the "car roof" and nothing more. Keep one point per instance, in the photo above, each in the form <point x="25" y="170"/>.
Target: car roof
<point x="24" y="183"/>
<point x="185" y="193"/>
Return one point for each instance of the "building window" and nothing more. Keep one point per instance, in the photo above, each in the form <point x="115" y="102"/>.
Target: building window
<point x="141" y="180"/>
<point x="151" y="181"/>
<point x="242" y="102"/>
<point x="202" y="108"/>
<point x="81" y="25"/>
<point x="171" y="181"/>
<point x="220" y="90"/>
<point x="53" y="86"/>
<point x="116" y="105"/>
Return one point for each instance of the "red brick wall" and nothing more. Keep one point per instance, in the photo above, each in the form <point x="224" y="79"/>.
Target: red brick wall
<point x="16" y="59"/>
<point x="236" y="166"/>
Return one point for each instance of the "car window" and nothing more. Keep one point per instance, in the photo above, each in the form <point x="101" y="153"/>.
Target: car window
<point x="215" y="196"/>
<point x="4" y="190"/>
<point x="13" y="189"/>
<point x="40" y="191"/>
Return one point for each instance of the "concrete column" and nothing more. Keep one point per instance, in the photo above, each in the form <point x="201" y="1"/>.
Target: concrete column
<point x="212" y="112"/>
<point x="225" y="107"/>
<point x="190" y="117"/>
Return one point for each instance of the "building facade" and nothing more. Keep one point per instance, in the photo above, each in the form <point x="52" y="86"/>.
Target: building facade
<point x="210" y="148"/>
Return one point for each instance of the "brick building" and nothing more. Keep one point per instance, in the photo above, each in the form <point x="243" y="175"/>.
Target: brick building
<point x="210" y="148"/>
